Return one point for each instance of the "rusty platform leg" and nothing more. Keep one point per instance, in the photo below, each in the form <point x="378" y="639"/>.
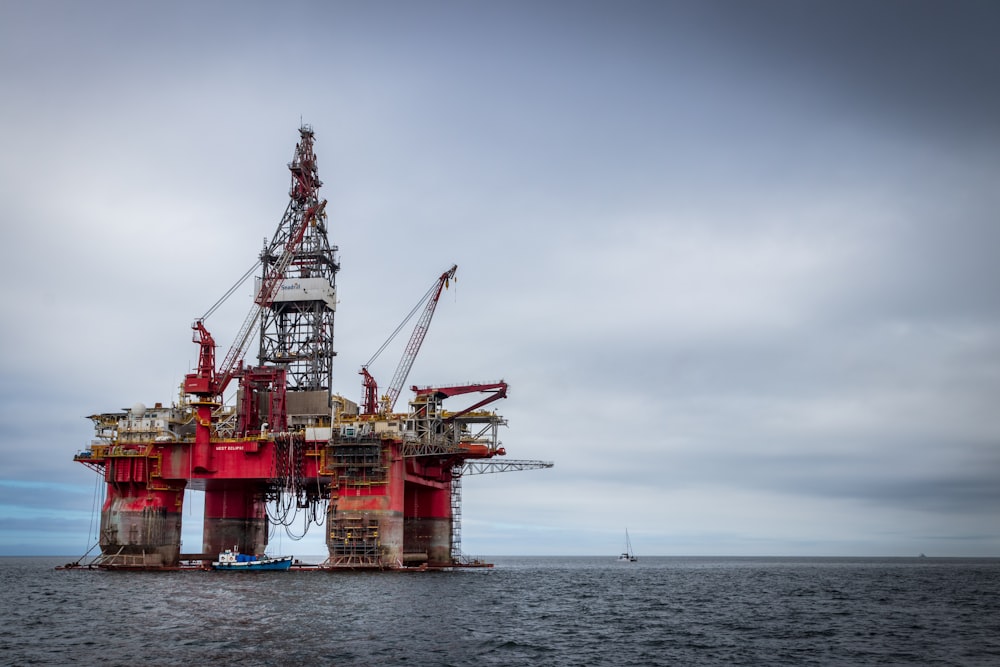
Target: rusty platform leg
<point x="428" y="521"/>
<point x="140" y="526"/>
<point x="235" y="516"/>
<point x="365" y="523"/>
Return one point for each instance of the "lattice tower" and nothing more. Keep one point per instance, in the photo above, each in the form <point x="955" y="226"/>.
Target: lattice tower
<point x="296" y="331"/>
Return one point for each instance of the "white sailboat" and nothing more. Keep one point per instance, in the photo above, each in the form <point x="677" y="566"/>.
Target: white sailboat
<point x="628" y="556"/>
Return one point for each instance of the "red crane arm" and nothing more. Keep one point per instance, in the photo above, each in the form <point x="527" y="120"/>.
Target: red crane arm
<point x="202" y="381"/>
<point x="417" y="338"/>
<point x="207" y="381"/>
<point x="265" y="297"/>
<point x="499" y="390"/>
<point x="371" y="393"/>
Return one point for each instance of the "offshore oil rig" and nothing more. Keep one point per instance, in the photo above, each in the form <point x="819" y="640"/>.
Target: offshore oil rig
<point x="387" y="485"/>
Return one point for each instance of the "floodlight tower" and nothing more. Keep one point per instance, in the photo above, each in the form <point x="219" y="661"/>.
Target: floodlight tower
<point x="296" y="330"/>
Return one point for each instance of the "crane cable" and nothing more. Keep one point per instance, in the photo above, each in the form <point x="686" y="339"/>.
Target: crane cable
<point x="231" y="290"/>
<point x="402" y="324"/>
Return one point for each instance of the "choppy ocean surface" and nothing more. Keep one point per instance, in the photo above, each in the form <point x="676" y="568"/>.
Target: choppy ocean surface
<point x="526" y="611"/>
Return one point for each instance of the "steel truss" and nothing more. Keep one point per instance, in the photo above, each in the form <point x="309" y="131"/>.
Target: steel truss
<point x="297" y="333"/>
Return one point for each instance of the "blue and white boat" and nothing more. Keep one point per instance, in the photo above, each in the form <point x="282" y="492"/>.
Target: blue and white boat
<point x="233" y="560"/>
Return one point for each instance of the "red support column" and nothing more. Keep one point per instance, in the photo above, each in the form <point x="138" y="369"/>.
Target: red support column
<point x="428" y="517"/>
<point x="202" y="454"/>
<point x="235" y="516"/>
<point x="365" y="523"/>
<point x="140" y="526"/>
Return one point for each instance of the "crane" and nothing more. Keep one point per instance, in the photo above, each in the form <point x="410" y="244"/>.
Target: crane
<point x="370" y="402"/>
<point x="207" y="382"/>
<point x="437" y="394"/>
<point x="211" y="382"/>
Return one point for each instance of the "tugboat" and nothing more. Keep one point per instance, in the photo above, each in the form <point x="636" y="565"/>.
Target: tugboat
<point x="233" y="560"/>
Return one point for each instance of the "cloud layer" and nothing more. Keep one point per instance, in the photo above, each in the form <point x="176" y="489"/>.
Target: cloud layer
<point x="738" y="263"/>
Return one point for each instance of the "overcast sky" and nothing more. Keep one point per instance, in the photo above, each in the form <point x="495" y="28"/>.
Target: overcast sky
<point x="736" y="260"/>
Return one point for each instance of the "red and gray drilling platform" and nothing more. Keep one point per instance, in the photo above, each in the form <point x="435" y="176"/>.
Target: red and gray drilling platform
<point x="386" y="484"/>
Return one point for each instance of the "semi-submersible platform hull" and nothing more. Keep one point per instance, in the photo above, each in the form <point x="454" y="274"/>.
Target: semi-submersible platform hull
<point x="390" y="498"/>
<point x="386" y="485"/>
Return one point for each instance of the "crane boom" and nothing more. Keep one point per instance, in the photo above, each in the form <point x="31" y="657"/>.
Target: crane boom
<point x="208" y="381"/>
<point x="498" y="389"/>
<point x="265" y="297"/>
<point x="416" y="338"/>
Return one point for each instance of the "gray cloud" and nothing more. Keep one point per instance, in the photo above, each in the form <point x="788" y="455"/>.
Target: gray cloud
<point x="736" y="261"/>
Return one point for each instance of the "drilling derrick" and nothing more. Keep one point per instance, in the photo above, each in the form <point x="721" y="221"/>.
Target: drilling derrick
<point x="296" y="328"/>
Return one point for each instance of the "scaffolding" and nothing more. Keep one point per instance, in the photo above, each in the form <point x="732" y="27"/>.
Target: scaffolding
<point x="354" y="542"/>
<point x="456" y="514"/>
<point x="355" y="462"/>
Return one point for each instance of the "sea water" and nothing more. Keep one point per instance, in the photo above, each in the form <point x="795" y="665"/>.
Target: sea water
<point x="525" y="611"/>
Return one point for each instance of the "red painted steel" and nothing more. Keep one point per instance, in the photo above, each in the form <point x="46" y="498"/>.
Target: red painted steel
<point x="387" y="506"/>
